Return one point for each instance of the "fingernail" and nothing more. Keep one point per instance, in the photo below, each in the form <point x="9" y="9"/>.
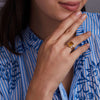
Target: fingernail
<point x="83" y="16"/>
<point x="89" y="33"/>
<point x="88" y="44"/>
<point x="78" y="13"/>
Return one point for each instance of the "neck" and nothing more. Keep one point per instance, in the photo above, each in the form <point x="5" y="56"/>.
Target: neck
<point x="41" y="24"/>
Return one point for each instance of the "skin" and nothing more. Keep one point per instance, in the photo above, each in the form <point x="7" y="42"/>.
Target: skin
<point x="56" y="26"/>
<point x="49" y="14"/>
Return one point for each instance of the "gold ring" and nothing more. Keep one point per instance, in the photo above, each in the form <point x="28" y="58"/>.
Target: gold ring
<point x="70" y="45"/>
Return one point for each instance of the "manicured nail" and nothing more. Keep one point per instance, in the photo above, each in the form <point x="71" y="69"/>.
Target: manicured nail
<point x="78" y="13"/>
<point x="83" y="16"/>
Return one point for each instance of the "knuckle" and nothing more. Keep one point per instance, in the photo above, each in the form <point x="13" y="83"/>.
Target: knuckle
<point x="54" y="47"/>
<point x="69" y="30"/>
<point x="85" y="36"/>
<point x="80" y="21"/>
<point x="65" y="53"/>
<point x="83" y="49"/>
<point x="77" y="24"/>
<point x="82" y="37"/>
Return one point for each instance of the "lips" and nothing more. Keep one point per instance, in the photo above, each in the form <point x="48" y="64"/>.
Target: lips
<point x="72" y="6"/>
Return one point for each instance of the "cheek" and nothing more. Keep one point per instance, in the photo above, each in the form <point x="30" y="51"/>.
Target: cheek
<point x="44" y="5"/>
<point x="40" y="3"/>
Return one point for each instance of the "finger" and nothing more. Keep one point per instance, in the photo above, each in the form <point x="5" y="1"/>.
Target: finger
<point x="71" y="31"/>
<point x="65" y="24"/>
<point x="78" y="39"/>
<point x="75" y="54"/>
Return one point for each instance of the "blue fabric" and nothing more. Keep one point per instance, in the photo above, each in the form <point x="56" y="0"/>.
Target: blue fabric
<point x="16" y="71"/>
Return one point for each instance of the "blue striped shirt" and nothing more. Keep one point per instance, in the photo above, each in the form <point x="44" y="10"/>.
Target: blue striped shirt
<point x="16" y="71"/>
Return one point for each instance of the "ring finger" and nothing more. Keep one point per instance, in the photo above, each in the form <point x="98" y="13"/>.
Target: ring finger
<point x="78" y="39"/>
<point x="70" y="31"/>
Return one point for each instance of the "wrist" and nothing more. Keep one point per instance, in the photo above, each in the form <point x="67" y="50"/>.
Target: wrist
<point x="40" y="90"/>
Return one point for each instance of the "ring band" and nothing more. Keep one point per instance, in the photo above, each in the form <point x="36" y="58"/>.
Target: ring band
<point x="70" y="45"/>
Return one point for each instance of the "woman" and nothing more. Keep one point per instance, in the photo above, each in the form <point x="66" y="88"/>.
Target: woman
<point x="41" y="44"/>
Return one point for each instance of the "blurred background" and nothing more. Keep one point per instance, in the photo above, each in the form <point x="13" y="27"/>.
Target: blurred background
<point x="91" y="6"/>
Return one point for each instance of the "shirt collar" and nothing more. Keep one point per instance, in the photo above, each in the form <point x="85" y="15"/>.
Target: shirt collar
<point x="29" y="39"/>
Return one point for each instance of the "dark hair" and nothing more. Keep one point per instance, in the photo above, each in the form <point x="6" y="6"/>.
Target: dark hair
<point x="83" y="9"/>
<point x="15" y="17"/>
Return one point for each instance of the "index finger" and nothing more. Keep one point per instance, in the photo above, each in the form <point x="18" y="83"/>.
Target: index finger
<point x="65" y="25"/>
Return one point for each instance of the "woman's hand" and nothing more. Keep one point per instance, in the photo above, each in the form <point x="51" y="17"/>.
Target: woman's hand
<point x="55" y="59"/>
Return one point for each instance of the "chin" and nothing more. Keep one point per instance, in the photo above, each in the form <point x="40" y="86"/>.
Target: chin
<point x="62" y="17"/>
<point x="65" y="14"/>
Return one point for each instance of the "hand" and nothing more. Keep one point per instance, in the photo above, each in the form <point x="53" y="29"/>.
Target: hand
<point x="55" y="59"/>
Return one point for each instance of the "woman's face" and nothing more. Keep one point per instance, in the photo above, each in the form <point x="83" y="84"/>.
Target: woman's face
<point x="58" y="9"/>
